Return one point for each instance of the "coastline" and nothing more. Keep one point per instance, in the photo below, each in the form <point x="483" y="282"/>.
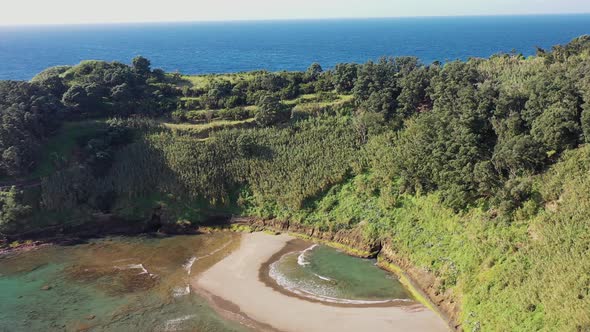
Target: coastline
<point x="296" y="245"/>
<point x="421" y="284"/>
<point x="240" y="293"/>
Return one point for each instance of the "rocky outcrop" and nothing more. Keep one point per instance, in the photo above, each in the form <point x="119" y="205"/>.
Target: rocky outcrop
<point x="96" y="226"/>
<point x="426" y="282"/>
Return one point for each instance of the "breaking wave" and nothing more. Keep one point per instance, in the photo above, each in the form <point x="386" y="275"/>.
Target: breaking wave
<point x="188" y="266"/>
<point x="301" y="259"/>
<point x="301" y="280"/>
<point x="136" y="267"/>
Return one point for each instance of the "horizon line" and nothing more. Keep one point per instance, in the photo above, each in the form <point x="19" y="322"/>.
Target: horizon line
<point x="254" y="20"/>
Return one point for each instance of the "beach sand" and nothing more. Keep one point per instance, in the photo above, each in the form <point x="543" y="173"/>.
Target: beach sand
<point x="235" y="288"/>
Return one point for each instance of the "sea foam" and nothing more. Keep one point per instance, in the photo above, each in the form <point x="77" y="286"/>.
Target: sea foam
<point x="136" y="267"/>
<point x="188" y="266"/>
<point x="301" y="259"/>
<point x="174" y="324"/>
<point x="282" y="280"/>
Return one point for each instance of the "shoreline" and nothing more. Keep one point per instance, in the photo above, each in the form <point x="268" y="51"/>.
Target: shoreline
<point x="422" y="284"/>
<point x="419" y="283"/>
<point x="295" y="245"/>
<point x="235" y="289"/>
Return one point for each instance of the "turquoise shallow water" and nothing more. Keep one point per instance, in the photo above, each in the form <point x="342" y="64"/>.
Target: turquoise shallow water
<point x="142" y="284"/>
<point x="118" y="284"/>
<point x="325" y="274"/>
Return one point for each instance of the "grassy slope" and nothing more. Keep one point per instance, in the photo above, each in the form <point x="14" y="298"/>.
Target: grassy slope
<point x="202" y="81"/>
<point x="301" y="103"/>
<point x="207" y="126"/>
<point x="531" y="273"/>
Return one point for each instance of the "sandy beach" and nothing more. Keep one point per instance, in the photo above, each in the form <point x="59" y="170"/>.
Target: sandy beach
<point x="235" y="288"/>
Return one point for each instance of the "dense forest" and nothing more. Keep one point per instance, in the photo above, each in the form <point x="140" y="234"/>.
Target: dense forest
<point x="477" y="171"/>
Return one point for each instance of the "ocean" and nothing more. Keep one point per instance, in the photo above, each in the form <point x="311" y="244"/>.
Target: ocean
<point x="219" y="47"/>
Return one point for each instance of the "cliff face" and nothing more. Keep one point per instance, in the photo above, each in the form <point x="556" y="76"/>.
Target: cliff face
<point x="447" y="303"/>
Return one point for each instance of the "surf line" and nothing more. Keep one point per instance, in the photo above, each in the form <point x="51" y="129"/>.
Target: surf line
<point x="138" y="267"/>
<point x="181" y="291"/>
<point x="301" y="258"/>
<point x="189" y="264"/>
<point x="301" y="261"/>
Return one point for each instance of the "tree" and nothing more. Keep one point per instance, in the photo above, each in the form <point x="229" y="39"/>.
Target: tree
<point x="51" y="81"/>
<point x="12" y="161"/>
<point x="54" y="84"/>
<point x="158" y="75"/>
<point x="123" y="101"/>
<point x="313" y="72"/>
<point x="75" y="97"/>
<point x="557" y="128"/>
<point x="219" y="91"/>
<point x="586" y="124"/>
<point x="27" y="116"/>
<point x="11" y="208"/>
<point x="377" y="88"/>
<point x="290" y="92"/>
<point x="344" y="77"/>
<point x="585" y="116"/>
<point x="518" y="155"/>
<point x="141" y="66"/>
<point x="367" y="124"/>
<point x="269" y="110"/>
<point x="324" y="82"/>
<point x="84" y="98"/>
<point x="413" y="97"/>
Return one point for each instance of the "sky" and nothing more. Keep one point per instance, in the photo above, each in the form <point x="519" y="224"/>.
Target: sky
<point x="23" y="12"/>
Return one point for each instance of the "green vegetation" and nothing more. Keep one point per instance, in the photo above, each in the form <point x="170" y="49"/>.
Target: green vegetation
<point x="57" y="151"/>
<point x="408" y="284"/>
<point x="475" y="171"/>
<point x="11" y="210"/>
<point x="32" y="111"/>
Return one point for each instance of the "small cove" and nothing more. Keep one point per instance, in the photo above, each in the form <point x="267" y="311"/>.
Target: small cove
<point x="320" y="273"/>
<point x="149" y="283"/>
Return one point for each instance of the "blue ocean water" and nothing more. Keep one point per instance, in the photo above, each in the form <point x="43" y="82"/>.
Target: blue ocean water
<point x="280" y="45"/>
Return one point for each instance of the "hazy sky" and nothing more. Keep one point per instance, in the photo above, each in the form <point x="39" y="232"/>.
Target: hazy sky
<point x="94" y="11"/>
